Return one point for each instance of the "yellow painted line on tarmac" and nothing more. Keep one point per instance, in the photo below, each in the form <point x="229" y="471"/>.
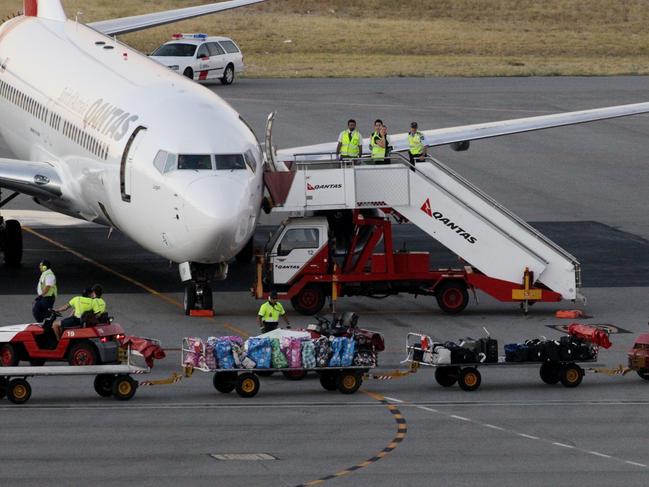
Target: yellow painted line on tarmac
<point x="135" y="282"/>
<point x="402" y="429"/>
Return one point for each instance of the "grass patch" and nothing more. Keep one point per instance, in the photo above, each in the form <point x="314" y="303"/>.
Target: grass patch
<point x="314" y="38"/>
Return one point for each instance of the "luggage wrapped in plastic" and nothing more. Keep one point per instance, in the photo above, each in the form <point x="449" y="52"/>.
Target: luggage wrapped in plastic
<point x="292" y="350"/>
<point x="365" y="358"/>
<point x="224" y="356"/>
<point x="590" y="334"/>
<point x="194" y="355"/>
<point x="349" y="348"/>
<point x="323" y="351"/>
<point x="441" y="355"/>
<point x="210" y="353"/>
<point x="260" y="351"/>
<point x="278" y="360"/>
<point x="337" y="348"/>
<point x="308" y="354"/>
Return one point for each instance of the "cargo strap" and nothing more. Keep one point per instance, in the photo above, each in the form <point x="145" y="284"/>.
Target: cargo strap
<point x="619" y="370"/>
<point x="172" y="379"/>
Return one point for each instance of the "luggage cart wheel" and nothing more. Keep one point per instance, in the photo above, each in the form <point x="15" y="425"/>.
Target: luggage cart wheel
<point x="19" y="391"/>
<point x="571" y="375"/>
<point x="247" y="385"/>
<point x="124" y="387"/>
<point x="4" y="386"/>
<point x="644" y="373"/>
<point x="225" y="382"/>
<point x="349" y="382"/>
<point x="104" y="384"/>
<point x="469" y="379"/>
<point x="446" y="376"/>
<point x="328" y="381"/>
<point x="550" y="373"/>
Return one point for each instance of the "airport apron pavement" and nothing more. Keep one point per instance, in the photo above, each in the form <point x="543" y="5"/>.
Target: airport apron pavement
<point x="581" y="186"/>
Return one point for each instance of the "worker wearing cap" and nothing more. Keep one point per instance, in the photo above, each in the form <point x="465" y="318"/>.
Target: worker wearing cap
<point x="417" y="149"/>
<point x="350" y="142"/>
<point x="46" y="291"/>
<point x="269" y="313"/>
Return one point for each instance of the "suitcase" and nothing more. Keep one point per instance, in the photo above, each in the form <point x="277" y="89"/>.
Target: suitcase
<point x="550" y="351"/>
<point x="441" y="355"/>
<point x="471" y="344"/>
<point x="463" y="356"/>
<point x="417" y="354"/>
<point x="516" y="352"/>
<point x="489" y="347"/>
<point x="533" y="350"/>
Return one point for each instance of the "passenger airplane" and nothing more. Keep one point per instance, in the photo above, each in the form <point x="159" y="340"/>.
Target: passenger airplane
<point x="104" y="134"/>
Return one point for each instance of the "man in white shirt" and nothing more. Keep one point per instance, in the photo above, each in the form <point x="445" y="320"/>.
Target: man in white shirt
<point x="46" y="292"/>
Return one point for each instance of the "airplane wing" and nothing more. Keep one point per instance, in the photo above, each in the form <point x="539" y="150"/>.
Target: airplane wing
<point x="39" y="179"/>
<point x="140" y="22"/>
<point x="467" y="133"/>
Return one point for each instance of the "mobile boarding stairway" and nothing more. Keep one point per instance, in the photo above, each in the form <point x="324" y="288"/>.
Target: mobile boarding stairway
<point x="507" y="258"/>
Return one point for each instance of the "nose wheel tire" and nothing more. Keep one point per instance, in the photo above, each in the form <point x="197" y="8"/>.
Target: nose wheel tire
<point x="228" y="75"/>
<point x="12" y="243"/>
<point x="571" y="375"/>
<point x="124" y="387"/>
<point x="446" y="376"/>
<point x="550" y="373"/>
<point x="225" y="382"/>
<point x="197" y="297"/>
<point x="19" y="391"/>
<point x="103" y="385"/>
<point x="247" y="385"/>
<point x="452" y="297"/>
<point x="469" y="379"/>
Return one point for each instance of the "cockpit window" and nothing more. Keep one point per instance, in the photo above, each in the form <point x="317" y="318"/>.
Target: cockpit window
<point x="195" y="161"/>
<point x="175" y="50"/>
<point x="229" y="161"/>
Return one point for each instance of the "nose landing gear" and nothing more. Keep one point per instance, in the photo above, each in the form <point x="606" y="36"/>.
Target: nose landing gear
<point x="11" y="237"/>
<point x="198" y="288"/>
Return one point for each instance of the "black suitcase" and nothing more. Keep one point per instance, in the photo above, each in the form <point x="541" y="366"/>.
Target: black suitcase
<point x="489" y="347"/>
<point x="533" y="350"/>
<point x="461" y="355"/>
<point x="550" y="351"/>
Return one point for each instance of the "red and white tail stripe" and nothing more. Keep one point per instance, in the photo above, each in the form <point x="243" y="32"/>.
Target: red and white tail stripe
<point x="46" y="9"/>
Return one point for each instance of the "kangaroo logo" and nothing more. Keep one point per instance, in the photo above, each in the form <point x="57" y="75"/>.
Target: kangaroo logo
<point x="426" y="207"/>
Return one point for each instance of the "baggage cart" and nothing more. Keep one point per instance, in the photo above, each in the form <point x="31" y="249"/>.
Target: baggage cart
<point x="468" y="377"/>
<point x="111" y="380"/>
<point x="346" y="380"/>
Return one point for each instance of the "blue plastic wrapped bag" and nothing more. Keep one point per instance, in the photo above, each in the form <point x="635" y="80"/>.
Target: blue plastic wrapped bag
<point x="260" y="350"/>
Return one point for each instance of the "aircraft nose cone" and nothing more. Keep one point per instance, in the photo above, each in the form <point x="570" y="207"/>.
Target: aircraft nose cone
<point x="219" y="215"/>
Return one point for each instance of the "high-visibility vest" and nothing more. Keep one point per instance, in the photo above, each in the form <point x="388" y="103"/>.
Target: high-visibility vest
<point x="271" y="313"/>
<point x="378" y="152"/>
<point x="81" y="304"/>
<point x="53" y="291"/>
<point x="372" y="140"/>
<point x="415" y="143"/>
<point x="98" y="306"/>
<point x="350" y="144"/>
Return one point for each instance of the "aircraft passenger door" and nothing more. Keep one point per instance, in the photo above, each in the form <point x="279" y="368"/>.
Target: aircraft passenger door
<point x="294" y="250"/>
<point x="217" y="60"/>
<point x="128" y="160"/>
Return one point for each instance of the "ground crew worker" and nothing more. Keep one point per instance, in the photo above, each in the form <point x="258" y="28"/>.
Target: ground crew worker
<point x="381" y="146"/>
<point x="417" y="149"/>
<point x="80" y="305"/>
<point x="350" y="142"/>
<point x="269" y="313"/>
<point x="98" y="304"/>
<point x="46" y="291"/>
<point x="378" y="123"/>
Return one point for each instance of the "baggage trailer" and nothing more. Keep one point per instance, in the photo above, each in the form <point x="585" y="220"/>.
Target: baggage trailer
<point x="110" y="380"/>
<point x="468" y="377"/>
<point x="346" y="380"/>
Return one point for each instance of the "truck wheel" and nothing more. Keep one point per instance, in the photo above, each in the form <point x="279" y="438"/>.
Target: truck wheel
<point x="103" y="385"/>
<point x="4" y="386"/>
<point x="309" y="301"/>
<point x="452" y="297"/>
<point x="19" y="391"/>
<point x="349" y="382"/>
<point x="550" y="373"/>
<point x="446" y="376"/>
<point x="328" y="381"/>
<point x="247" y="385"/>
<point x="124" y="387"/>
<point x="644" y="374"/>
<point x="225" y="382"/>
<point x="13" y="243"/>
<point x="469" y="379"/>
<point x="8" y="355"/>
<point x="294" y="374"/>
<point x="571" y="375"/>
<point x="82" y="353"/>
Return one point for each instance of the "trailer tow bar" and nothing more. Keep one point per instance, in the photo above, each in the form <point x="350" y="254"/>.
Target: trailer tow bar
<point x="395" y="374"/>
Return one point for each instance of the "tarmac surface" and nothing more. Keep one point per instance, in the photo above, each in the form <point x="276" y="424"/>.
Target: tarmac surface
<point x="582" y="186"/>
